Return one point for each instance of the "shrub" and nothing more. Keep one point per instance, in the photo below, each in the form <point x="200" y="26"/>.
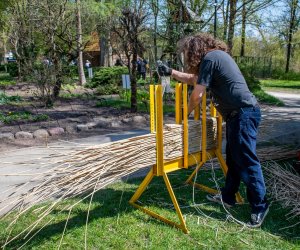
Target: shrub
<point x="252" y="82"/>
<point x="71" y="71"/>
<point x="142" y="82"/>
<point x="108" y="76"/>
<point x="108" y="89"/>
<point x="143" y="95"/>
<point x="2" y="67"/>
<point x="4" y="99"/>
<point x="24" y="116"/>
<point x="281" y="75"/>
<point x="12" y="69"/>
<point x="6" y="79"/>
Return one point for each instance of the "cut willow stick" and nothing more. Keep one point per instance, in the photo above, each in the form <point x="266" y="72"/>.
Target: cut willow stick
<point x="86" y="170"/>
<point x="283" y="185"/>
<point x="76" y="173"/>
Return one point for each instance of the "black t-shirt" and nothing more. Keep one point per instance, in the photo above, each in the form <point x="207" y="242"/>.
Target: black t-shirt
<point x="221" y="75"/>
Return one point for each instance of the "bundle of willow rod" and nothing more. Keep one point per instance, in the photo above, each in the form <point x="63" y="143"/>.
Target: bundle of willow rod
<point x="283" y="184"/>
<point x="276" y="153"/>
<point x="85" y="171"/>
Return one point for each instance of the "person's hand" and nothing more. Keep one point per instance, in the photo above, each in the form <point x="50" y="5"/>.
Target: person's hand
<point x="163" y="69"/>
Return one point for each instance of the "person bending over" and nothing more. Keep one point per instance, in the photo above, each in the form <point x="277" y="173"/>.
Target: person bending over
<point x="210" y="66"/>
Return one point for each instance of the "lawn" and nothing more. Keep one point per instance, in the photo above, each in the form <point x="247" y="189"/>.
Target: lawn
<point x="264" y="97"/>
<point x="283" y="84"/>
<point x="114" y="224"/>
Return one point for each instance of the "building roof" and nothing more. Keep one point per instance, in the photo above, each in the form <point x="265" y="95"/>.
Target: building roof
<point x="93" y="43"/>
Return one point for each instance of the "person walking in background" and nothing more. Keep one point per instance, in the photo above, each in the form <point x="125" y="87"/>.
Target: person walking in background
<point x="118" y="62"/>
<point x="210" y="66"/>
<point x="88" y="66"/>
<point x="142" y="68"/>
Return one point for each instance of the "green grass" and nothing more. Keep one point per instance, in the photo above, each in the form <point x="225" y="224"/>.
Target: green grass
<point x="4" y="99"/>
<point x="143" y="106"/>
<point x="13" y="117"/>
<point x="263" y="97"/>
<point x="114" y="224"/>
<point x="280" y="84"/>
<point x="6" y="79"/>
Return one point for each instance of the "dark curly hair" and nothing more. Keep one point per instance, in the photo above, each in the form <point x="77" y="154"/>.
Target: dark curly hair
<point x="195" y="47"/>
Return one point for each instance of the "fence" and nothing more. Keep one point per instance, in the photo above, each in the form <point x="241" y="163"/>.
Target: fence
<point x="260" y="67"/>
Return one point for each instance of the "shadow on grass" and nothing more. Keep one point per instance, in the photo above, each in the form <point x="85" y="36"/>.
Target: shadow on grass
<point x="113" y="201"/>
<point x="296" y="86"/>
<point x="105" y="207"/>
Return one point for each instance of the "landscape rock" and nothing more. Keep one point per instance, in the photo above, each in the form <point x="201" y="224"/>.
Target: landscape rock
<point x="77" y="120"/>
<point x="56" y="131"/>
<point x="127" y="120"/>
<point x="82" y="127"/>
<point x="139" y="119"/>
<point x="24" y="135"/>
<point x="103" y="124"/>
<point x="91" y="125"/>
<point x="71" y="129"/>
<point x="116" y="124"/>
<point x="7" y="136"/>
<point x="40" y="134"/>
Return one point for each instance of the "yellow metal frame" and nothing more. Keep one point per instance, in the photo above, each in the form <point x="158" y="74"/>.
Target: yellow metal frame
<point x="162" y="167"/>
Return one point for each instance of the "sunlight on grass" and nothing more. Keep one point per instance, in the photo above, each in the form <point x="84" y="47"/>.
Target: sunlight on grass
<point x="280" y="84"/>
<point x="263" y="97"/>
<point x="114" y="224"/>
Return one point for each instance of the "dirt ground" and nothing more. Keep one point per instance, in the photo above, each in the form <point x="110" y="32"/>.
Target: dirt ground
<point x="66" y="113"/>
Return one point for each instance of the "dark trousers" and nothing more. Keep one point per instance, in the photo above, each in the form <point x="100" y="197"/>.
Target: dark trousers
<point x="242" y="161"/>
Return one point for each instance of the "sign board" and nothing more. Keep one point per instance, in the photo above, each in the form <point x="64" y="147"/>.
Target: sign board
<point x="126" y="81"/>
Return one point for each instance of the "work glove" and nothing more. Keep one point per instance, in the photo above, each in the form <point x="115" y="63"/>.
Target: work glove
<point x="163" y="69"/>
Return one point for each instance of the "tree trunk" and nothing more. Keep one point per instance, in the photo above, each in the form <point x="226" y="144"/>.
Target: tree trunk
<point x="226" y="20"/>
<point x="290" y="34"/>
<point x="243" y="33"/>
<point x="215" y="19"/>
<point x="232" y="16"/>
<point x="102" y="51"/>
<point x="5" y="52"/>
<point x="82" y="79"/>
<point x="133" y="106"/>
<point x="155" y="12"/>
<point x="109" y="56"/>
<point x="155" y="38"/>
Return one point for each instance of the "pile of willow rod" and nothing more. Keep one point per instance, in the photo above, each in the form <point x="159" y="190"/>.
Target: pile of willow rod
<point x="272" y="153"/>
<point x="283" y="185"/>
<point x="83" y="172"/>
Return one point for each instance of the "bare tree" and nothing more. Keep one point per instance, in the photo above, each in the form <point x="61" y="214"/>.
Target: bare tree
<point x="248" y="10"/>
<point x="130" y="26"/>
<point x="43" y="35"/>
<point x="155" y="8"/>
<point x="21" y="35"/>
<point x="82" y="79"/>
<point x="231" y="26"/>
<point x="293" y="22"/>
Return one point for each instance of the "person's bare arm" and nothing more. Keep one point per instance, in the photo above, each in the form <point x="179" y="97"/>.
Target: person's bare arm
<point x="184" y="77"/>
<point x="195" y="97"/>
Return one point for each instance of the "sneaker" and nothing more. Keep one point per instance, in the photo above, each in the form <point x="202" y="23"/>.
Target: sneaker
<point x="257" y="219"/>
<point x="218" y="199"/>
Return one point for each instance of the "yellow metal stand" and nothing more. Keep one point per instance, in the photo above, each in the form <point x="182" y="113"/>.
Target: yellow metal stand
<point x="163" y="167"/>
